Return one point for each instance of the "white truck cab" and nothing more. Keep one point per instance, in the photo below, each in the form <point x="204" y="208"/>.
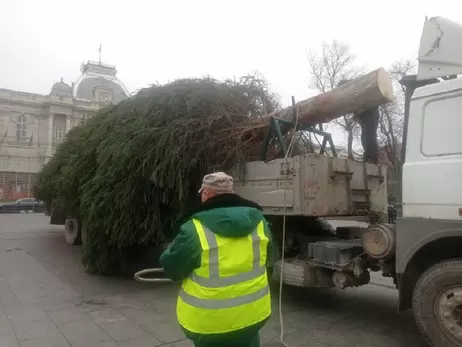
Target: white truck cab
<point x="432" y="173"/>
<point x="429" y="234"/>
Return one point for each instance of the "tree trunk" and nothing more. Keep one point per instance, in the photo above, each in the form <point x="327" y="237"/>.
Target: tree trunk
<point x="350" y="143"/>
<point x="362" y="93"/>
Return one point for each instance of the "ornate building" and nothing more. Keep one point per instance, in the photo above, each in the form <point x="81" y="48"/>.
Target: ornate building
<point x="32" y="125"/>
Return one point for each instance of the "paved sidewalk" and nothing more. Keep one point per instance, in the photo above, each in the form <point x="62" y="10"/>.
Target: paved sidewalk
<point x="46" y="300"/>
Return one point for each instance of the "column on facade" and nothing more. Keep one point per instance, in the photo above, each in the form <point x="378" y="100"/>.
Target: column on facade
<point x="68" y="122"/>
<point x="50" y="134"/>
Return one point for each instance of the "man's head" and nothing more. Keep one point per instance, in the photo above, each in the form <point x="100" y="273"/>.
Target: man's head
<point x="215" y="184"/>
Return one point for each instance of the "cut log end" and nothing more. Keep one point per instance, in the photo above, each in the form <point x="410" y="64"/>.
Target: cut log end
<point x="385" y="85"/>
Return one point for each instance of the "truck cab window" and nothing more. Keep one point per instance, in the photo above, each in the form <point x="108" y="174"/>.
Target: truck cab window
<point x="442" y="127"/>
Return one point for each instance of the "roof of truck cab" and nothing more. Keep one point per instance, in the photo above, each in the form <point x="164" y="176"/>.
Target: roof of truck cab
<point x="438" y="88"/>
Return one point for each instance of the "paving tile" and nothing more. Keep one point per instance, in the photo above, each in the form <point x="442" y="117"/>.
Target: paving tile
<point x="68" y="315"/>
<point x="9" y="342"/>
<point x="7" y="334"/>
<point x="7" y="297"/>
<point x="54" y="341"/>
<point x="119" y="302"/>
<point x="384" y="340"/>
<point x="35" y="329"/>
<point x="183" y="343"/>
<point x="166" y="332"/>
<point x="142" y="317"/>
<point x="321" y="344"/>
<point x="161" y="291"/>
<point x="163" y="306"/>
<point x="83" y="333"/>
<point x="92" y="303"/>
<point x="108" y="344"/>
<point x="119" y="327"/>
<point x="126" y="330"/>
<point x="297" y="340"/>
<point x="269" y="332"/>
<point x="325" y="335"/>
<point x="143" y="342"/>
<point x="274" y="343"/>
<point x="106" y="315"/>
<point x="21" y="315"/>
<point x="165" y="310"/>
<point x="53" y="304"/>
<point x="155" y="323"/>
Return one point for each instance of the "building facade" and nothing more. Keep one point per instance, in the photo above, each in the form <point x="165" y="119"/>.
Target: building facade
<point x="33" y="125"/>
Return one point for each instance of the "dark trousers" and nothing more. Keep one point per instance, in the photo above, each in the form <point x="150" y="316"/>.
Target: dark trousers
<point x="369" y="122"/>
<point x="246" y="337"/>
<point x="244" y="341"/>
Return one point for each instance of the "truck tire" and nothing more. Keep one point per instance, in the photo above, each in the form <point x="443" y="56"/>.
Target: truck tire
<point x="437" y="304"/>
<point x="72" y="232"/>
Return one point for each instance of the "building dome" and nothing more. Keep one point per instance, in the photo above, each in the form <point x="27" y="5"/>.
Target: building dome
<point x="61" y="88"/>
<point x="99" y="82"/>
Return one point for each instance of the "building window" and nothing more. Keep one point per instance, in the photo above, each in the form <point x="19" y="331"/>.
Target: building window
<point x="58" y="133"/>
<point x="21" y="127"/>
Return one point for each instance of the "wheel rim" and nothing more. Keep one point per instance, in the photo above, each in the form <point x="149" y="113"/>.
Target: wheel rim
<point x="448" y="311"/>
<point x="71" y="230"/>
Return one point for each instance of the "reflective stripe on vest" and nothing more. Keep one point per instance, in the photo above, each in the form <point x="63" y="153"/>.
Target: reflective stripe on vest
<point x="215" y="281"/>
<point x="226" y="303"/>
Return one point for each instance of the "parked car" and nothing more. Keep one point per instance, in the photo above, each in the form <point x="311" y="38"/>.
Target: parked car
<point x="24" y="205"/>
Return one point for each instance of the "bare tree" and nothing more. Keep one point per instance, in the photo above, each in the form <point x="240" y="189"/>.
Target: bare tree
<point x="330" y="67"/>
<point x="391" y="120"/>
<point x="399" y="69"/>
<point x="390" y="130"/>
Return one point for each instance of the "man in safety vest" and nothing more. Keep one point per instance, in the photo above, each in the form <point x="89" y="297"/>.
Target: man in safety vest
<point x="221" y="254"/>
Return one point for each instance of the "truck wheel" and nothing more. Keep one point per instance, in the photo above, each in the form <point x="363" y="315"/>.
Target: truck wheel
<point x="72" y="232"/>
<point x="437" y="304"/>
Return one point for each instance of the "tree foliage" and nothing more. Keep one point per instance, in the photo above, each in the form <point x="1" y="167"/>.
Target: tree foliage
<point x="131" y="172"/>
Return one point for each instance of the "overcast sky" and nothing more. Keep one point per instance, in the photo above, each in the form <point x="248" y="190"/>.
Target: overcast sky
<point x="152" y="40"/>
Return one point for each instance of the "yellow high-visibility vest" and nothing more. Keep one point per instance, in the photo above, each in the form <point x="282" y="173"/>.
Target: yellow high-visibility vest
<point x="229" y="291"/>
